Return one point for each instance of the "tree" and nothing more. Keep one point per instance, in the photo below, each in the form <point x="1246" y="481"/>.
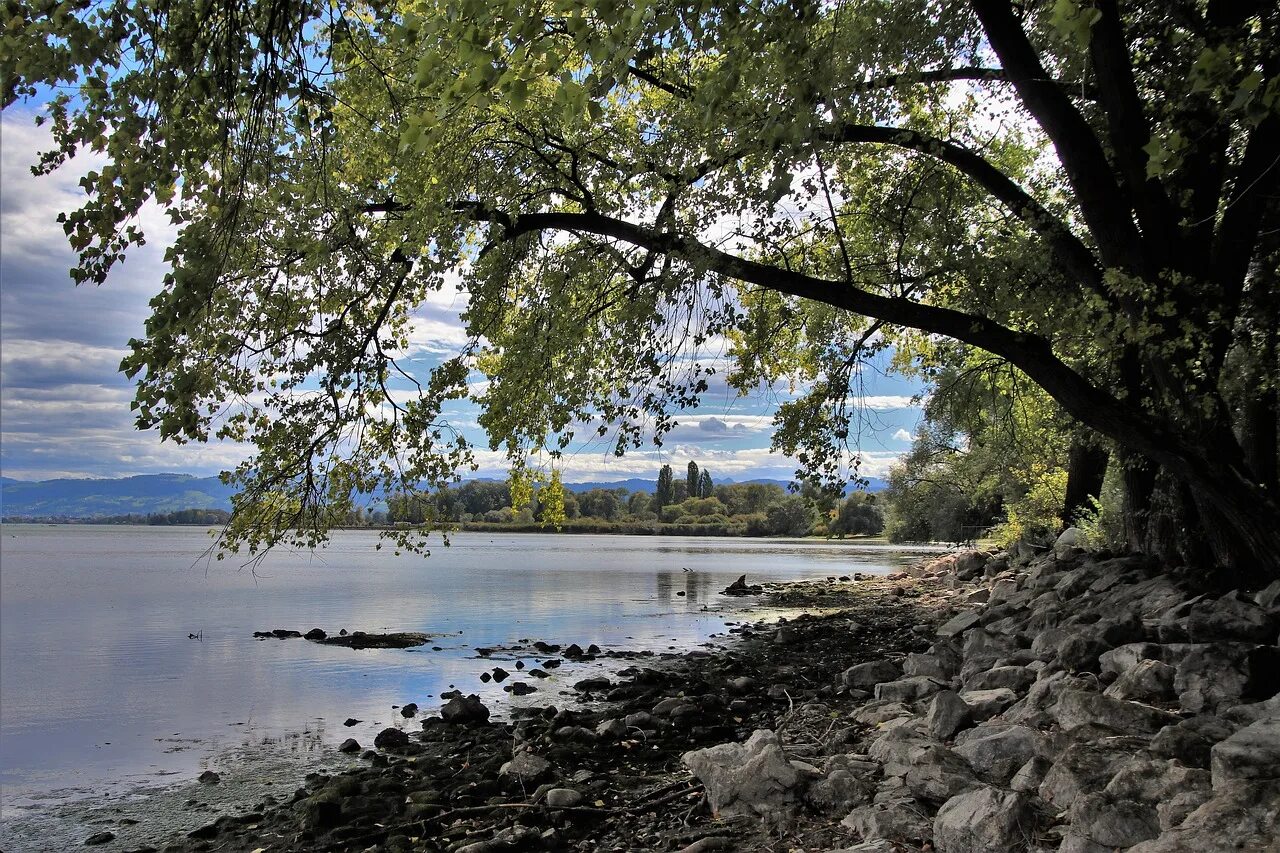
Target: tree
<point x="706" y="488"/>
<point x="1085" y="190"/>
<point x="693" y="481"/>
<point x="665" y="493"/>
<point x="551" y="502"/>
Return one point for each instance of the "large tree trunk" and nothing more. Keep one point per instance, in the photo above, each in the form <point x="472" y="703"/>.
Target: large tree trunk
<point x="1086" y="466"/>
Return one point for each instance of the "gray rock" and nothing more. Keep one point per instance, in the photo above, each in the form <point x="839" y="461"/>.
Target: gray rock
<point x="985" y="704"/>
<point x="927" y="665"/>
<point x="894" y="820"/>
<point x="1122" y="658"/>
<point x="986" y="820"/>
<point x="638" y="720"/>
<point x="525" y="767"/>
<point x="1016" y="678"/>
<point x="1080" y="707"/>
<point x="1113" y="823"/>
<point x="563" y="798"/>
<point x="1211" y="676"/>
<point x="612" y="729"/>
<point x="1173" y="811"/>
<point x="1000" y="754"/>
<point x="900" y="748"/>
<point x="948" y="714"/>
<point x="391" y="739"/>
<point x="1253" y="753"/>
<point x="1084" y="768"/>
<point x="1146" y="681"/>
<point x="349" y="745"/>
<point x="938" y="774"/>
<point x="969" y="564"/>
<point x="666" y="706"/>
<point x="1081" y="652"/>
<point x="839" y="791"/>
<point x="1269" y="597"/>
<point x="1242" y="816"/>
<point x="868" y="675"/>
<point x="1030" y="775"/>
<point x="875" y="713"/>
<point x="1067" y="541"/>
<point x="1229" y="618"/>
<point x="908" y="689"/>
<point x="752" y="778"/>
<point x="100" y="838"/>
<point x="958" y="624"/>
<point x="1152" y="780"/>
<point x="464" y="709"/>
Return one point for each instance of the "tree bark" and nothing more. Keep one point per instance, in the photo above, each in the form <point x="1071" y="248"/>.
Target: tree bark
<point x="1086" y="466"/>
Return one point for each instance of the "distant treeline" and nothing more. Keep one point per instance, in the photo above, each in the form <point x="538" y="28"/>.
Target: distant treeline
<point x="692" y="505"/>
<point x="203" y="517"/>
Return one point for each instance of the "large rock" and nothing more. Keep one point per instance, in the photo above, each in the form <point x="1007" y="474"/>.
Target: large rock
<point x="930" y="665"/>
<point x="1211" y="675"/>
<point x="938" y="774"/>
<point x="525" y="767"/>
<point x="1081" y="707"/>
<point x="1153" y="780"/>
<point x="1242" y="816"/>
<point x="1113" y="823"/>
<point x="1249" y="754"/>
<point x="1067" y="541"/>
<point x="753" y="778"/>
<point x="839" y="791"/>
<point x="1016" y="678"/>
<point x="1125" y="657"/>
<point x="1229" y="618"/>
<point x="462" y="710"/>
<point x="948" y="714"/>
<point x="1085" y="767"/>
<point x="894" y="820"/>
<point x="985" y="704"/>
<point x="1145" y="681"/>
<point x="958" y="624"/>
<point x="865" y="676"/>
<point x="1081" y="652"/>
<point x="998" y="755"/>
<point x="986" y="820"/>
<point x="908" y="689"/>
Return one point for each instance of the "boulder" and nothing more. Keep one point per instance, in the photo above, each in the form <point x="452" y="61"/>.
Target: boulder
<point x="1080" y="707"/>
<point x="1152" y="780"/>
<point x="1081" y="652"/>
<point x="958" y="624"/>
<point x="525" y="767"/>
<point x="1112" y="823"/>
<point x="1122" y="658"/>
<point x="752" y="778"/>
<point x="1253" y="753"/>
<point x="908" y="689"/>
<point x="1229" y="618"/>
<point x="927" y="665"/>
<point x="868" y="675"/>
<point x="391" y="739"/>
<point x="462" y="710"/>
<point x="1030" y="775"/>
<point x="938" y="774"/>
<point x="1016" y="678"/>
<point x="948" y="714"/>
<point x="986" y="820"/>
<point x="895" y="820"/>
<point x="1242" y="815"/>
<point x="1211" y="675"/>
<point x="969" y="564"/>
<point x="1145" y="681"/>
<point x="998" y="755"/>
<point x="839" y="791"/>
<point x="1084" y="768"/>
<point x="985" y="704"/>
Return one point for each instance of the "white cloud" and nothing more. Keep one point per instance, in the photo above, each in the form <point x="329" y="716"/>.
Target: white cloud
<point x="903" y="435"/>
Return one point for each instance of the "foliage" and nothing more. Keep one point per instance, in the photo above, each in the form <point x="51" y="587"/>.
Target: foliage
<point x="858" y="515"/>
<point x="665" y="493"/>
<point x="1085" y="192"/>
<point x="792" y="516"/>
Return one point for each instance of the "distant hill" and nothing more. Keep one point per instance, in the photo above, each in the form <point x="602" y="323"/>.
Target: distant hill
<point x="88" y="498"/>
<point x="149" y="493"/>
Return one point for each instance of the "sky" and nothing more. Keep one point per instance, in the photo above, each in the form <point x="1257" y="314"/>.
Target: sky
<point x="64" y="407"/>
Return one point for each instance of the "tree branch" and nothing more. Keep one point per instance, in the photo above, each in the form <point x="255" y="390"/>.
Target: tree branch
<point x="1078" y="148"/>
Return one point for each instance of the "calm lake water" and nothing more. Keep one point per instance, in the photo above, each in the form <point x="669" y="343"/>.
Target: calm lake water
<point x="102" y="694"/>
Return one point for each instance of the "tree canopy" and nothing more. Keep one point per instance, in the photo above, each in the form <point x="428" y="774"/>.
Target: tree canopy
<point x="1085" y="189"/>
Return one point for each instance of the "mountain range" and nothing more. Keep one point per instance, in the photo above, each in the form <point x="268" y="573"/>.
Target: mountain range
<point x="148" y="493"/>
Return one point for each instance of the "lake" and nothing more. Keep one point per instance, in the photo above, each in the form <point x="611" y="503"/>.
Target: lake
<point x="103" y="695"/>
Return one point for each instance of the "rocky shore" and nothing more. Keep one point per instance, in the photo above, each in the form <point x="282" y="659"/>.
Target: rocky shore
<point x="979" y="703"/>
